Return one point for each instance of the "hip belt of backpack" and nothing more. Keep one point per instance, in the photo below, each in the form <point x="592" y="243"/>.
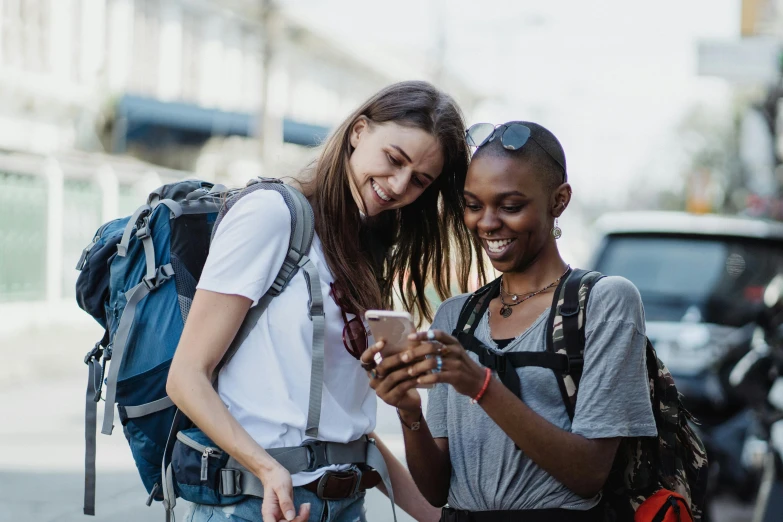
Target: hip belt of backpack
<point x="369" y="468"/>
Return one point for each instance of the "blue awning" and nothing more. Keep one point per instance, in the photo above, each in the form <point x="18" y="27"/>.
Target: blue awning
<point x="158" y="123"/>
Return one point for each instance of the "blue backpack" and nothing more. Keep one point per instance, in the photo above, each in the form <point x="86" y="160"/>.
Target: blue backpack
<point x="138" y="278"/>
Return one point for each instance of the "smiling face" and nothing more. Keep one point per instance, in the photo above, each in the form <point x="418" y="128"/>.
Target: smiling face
<point x="511" y="208"/>
<point x="391" y="165"/>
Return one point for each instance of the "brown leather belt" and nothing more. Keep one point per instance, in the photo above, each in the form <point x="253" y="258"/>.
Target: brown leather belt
<point x="339" y="485"/>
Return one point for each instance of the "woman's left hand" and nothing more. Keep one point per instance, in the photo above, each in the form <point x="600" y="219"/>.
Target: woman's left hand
<point x="456" y="366"/>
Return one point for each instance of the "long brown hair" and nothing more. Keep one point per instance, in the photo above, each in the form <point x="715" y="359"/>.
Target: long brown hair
<point x="414" y="245"/>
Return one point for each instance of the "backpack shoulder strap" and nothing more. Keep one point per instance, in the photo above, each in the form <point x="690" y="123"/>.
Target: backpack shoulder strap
<point x="475" y="306"/>
<point x="471" y="313"/>
<point x="302" y="233"/>
<point x="566" y="330"/>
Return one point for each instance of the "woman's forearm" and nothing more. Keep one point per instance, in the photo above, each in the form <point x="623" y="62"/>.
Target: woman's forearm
<point x="213" y="322"/>
<point x="406" y="494"/>
<point x="193" y="393"/>
<point x="581" y="464"/>
<point x="429" y="463"/>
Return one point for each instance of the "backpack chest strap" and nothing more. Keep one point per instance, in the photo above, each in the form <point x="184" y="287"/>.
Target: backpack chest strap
<point x="505" y="364"/>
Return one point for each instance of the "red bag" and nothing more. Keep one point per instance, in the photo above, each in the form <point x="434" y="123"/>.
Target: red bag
<point x="664" y="506"/>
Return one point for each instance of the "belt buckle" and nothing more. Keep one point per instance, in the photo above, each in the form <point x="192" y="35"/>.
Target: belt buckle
<point x="324" y="480"/>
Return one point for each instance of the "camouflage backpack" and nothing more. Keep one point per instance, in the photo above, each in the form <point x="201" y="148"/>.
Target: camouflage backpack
<point x="651" y="476"/>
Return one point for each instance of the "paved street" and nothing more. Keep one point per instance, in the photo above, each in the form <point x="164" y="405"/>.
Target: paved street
<point x="42" y="388"/>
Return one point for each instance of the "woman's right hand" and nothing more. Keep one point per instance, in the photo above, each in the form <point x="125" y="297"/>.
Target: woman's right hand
<point x="391" y="381"/>
<point x="278" y="504"/>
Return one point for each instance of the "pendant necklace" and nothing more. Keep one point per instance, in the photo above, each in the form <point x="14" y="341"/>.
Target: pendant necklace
<point x="505" y="309"/>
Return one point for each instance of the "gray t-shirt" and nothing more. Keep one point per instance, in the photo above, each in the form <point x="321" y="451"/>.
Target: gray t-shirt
<point x="488" y="471"/>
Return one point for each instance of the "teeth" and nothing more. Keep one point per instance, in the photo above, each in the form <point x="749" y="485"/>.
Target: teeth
<point x="381" y="193"/>
<point x="497" y="246"/>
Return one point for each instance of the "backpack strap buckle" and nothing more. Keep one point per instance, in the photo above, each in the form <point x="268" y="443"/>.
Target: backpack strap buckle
<point x="230" y="482"/>
<point x="317" y="457"/>
<point x="143" y="230"/>
<point x="162" y="274"/>
<point x="95" y="354"/>
<point x="493" y="360"/>
<point x="575" y="363"/>
<point x="143" y="225"/>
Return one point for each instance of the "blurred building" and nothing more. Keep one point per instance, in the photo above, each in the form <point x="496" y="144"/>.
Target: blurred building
<point x="102" y="100"/>
<point x="161" y="78"/>
<point x="753" y="63"/>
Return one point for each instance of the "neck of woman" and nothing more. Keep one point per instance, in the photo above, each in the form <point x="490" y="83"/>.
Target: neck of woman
<point x="541" y="272"/>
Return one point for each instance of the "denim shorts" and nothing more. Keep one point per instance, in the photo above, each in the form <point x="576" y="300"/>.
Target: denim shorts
<point x="348" y="510"/>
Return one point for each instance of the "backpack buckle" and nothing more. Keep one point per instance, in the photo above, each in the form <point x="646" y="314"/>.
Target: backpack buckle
<point x="493" y="361"/>
<point x="143" y="231"/>
<point x="95" y="354"/>
<point x="316" y="454"/>
<point x="162" y="274"/>
<point x="151" y="284"/>
<point x="230" y="482"/>
<point x="575" y="362"/>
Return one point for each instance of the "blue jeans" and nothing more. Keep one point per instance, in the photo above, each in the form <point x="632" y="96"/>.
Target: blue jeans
<point x="348" y="510"/>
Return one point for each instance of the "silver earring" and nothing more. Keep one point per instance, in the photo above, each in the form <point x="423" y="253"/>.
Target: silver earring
<point x="557" y="231"/>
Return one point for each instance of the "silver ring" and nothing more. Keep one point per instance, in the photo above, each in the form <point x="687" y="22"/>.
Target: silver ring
<point x="439" y="363"/>
<point x="430" y="335"/>
<point x="373" y="373"/>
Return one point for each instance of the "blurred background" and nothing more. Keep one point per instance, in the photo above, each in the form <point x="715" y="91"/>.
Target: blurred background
<point x="667" y="106"/>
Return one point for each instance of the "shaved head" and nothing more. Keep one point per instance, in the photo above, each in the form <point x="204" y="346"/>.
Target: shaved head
<point x="552" y="174"/>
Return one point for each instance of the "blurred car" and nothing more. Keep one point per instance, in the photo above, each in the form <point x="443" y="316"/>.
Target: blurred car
<point x="702" y="280"/>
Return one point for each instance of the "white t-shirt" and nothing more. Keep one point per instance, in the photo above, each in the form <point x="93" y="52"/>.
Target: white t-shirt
<point x="266" y="386"/>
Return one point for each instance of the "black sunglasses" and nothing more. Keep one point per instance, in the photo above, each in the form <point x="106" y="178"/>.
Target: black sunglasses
<point x="513" y="136"/>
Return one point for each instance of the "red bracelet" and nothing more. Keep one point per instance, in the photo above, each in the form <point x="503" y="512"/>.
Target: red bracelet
<point x="478" y="397"/>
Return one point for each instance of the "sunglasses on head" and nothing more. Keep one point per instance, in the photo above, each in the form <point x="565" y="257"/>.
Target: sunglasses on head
<point x="513" y="136"/>
<point x="354" y="333"/>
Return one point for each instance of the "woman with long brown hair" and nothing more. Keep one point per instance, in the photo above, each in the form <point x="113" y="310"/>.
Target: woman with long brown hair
<point x="386" y="196"/>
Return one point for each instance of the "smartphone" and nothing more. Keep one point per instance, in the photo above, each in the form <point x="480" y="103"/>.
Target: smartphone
<point x="394" y="328"/>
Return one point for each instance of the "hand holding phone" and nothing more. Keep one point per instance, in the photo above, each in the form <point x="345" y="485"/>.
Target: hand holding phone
<point x="394" y="328"/>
